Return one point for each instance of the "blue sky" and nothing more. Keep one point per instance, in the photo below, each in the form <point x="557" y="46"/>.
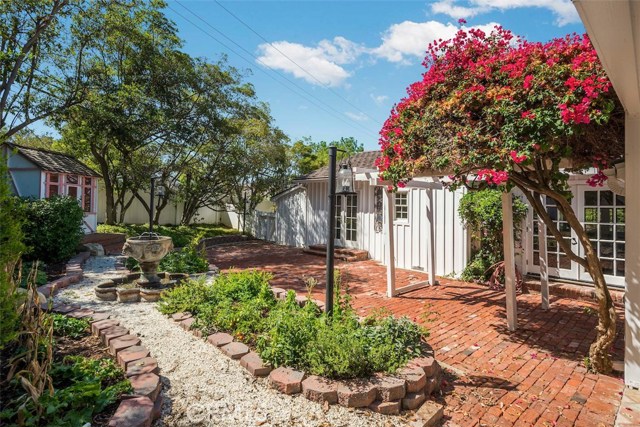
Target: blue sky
<point x="352" y="60"/>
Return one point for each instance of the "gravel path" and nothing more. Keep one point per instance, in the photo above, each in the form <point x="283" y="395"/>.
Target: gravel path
<point x="201" y="385"/>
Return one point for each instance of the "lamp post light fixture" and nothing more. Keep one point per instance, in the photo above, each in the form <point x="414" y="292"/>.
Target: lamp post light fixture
<point x="345" y="179"/>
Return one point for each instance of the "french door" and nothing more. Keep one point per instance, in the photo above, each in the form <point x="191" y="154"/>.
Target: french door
<point x="346" y="221"/>
<point x="602" y="214"/>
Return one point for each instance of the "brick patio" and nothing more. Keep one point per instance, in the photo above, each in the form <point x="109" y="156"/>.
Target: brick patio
<point x="532" y="377"/>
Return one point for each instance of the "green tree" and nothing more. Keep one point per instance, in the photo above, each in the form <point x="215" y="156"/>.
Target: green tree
<point x="41" y="73"/>
<point x="507" y="113"/>
<point x="136" y="75"/>
<point x="307" y="156"/>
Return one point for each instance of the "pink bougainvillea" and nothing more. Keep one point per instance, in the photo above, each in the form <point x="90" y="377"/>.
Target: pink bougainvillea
<point x="490" y="102"/>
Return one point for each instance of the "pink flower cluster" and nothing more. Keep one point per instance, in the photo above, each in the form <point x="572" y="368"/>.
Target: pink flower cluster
<point x="517" y="159"/>
<point x="491" y="176"/>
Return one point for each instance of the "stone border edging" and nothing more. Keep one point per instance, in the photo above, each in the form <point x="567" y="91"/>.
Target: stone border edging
<point x="144" y="406"/>
<point x="209" y="242"/>
<point x="73" y="273"/>
<point x="408" y="389"/>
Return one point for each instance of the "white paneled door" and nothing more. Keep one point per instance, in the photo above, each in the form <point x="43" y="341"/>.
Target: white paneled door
<point x="347" y="221"/>
<point x="602" y="214"/>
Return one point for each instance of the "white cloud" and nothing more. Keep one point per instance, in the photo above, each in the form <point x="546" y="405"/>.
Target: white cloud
<point x="379" y="99"/>
<point x="358" y="117"/>
<point x="410" y="39"/>
<point x="564" y="11"/>
<point x="323" y="63"/>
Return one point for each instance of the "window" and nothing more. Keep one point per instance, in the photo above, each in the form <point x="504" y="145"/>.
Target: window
<point x="402" y="207"/>
<point x="351" y="218"/>
<point x="87" y="194"/>
<point x="604" y="214"/>
<point x="52" y="184"/>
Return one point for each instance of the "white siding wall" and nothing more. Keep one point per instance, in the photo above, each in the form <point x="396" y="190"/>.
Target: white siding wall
<point x="290" y="219"/>
<point x="302" y="216"/>
<point x="172" y="214"/>
<point x="411" y="246"/>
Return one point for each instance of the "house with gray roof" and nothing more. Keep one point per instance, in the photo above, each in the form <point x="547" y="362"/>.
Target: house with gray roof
<point x="418" y="226"/>
<point x="42" y="173"/>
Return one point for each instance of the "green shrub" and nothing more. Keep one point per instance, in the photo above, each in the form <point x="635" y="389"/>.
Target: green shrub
<point x="69" y="327"/>
<point x="181" y="235"/>
<point x="481" y="213"/>
<point x="189" y="296"/>
<point x="338" y="349"/>
<point x="11" y="247"/>
<point x="53" y="228"/>
<point x="290" y="332"/>
<point x="188" y="260"/>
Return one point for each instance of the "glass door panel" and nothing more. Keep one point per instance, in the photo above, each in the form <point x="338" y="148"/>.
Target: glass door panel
<point x="603" y="215"/>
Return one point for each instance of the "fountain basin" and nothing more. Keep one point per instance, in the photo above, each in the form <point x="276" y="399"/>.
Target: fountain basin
<point x="148" y="250"/>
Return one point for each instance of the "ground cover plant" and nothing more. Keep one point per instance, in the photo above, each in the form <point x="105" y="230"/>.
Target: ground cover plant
<point x="286" y="334"/>
<point x="181" y="235"/>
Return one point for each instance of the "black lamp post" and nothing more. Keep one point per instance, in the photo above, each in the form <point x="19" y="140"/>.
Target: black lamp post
<point x="155" y="176"/>
<point x="345" y="178"/>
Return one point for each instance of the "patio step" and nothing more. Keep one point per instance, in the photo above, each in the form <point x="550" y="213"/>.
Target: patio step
<point x="343" y="254"/>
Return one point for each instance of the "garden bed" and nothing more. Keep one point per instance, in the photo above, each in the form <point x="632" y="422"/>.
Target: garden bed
<point x="379" y="362"/>
<point x="79" y="381"/>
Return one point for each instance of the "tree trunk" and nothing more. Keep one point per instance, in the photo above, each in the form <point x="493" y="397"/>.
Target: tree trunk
<point x="606" y="329"/>
<point x="108" y="187"/>
<point x="599" y="350"/>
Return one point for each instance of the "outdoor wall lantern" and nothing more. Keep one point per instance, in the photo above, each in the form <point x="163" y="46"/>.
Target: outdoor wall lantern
<point x="344" y="179"/>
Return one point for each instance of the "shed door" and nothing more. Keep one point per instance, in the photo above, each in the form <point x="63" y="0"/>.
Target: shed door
<point x="347" y="221"/>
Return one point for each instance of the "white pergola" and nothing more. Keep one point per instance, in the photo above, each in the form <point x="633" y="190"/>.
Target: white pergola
<point x="614" y="29"/>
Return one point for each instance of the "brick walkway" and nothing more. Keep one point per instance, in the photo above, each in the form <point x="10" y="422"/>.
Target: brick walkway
<point x="532" y="377"/>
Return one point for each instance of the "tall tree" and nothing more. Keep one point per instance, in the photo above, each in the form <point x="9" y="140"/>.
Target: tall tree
<point x="497" y="112"/>
<point x="40" y="71"/>
<point x="137" y="78"/>
<point x="307" y="155"/>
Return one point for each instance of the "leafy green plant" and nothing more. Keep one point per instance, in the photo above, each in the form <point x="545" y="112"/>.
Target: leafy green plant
<point x="188" y="260"/>
<point x="82" y="388"/>
<point x="481" y="212"/>
<point x="52" y="228"/>
<point x="189" y="296"/>
<point x="289" y="334"/>
<point x="68" y="326"/>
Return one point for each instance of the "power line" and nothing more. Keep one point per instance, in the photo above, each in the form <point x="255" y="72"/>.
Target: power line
<point x="292" y="61"/>
<point x="314" y="100"/>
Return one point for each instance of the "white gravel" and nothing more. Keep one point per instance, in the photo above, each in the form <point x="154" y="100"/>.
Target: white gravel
<point x="202" y="387"/>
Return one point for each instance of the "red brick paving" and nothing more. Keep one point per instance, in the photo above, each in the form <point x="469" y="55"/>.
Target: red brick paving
<point x="532" y="377"/>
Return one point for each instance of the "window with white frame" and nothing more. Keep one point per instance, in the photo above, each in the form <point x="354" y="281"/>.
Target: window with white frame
<point x="402" y="207"/>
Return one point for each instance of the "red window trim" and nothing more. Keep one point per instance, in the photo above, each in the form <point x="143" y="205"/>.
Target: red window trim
<point x="63" y="188"/>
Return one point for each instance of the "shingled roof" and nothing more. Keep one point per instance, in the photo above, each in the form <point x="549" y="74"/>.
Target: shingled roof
<point x="363" y="160"/>
<point x="53" y="161"/>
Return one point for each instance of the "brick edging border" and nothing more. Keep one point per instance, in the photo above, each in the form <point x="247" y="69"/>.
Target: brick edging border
<point x="409" y="389"/>
<point x="143" y="406"/>
<point x="73" y="273"/>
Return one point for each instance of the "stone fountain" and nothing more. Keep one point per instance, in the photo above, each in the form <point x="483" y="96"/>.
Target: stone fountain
<point x="148" y="249"/>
